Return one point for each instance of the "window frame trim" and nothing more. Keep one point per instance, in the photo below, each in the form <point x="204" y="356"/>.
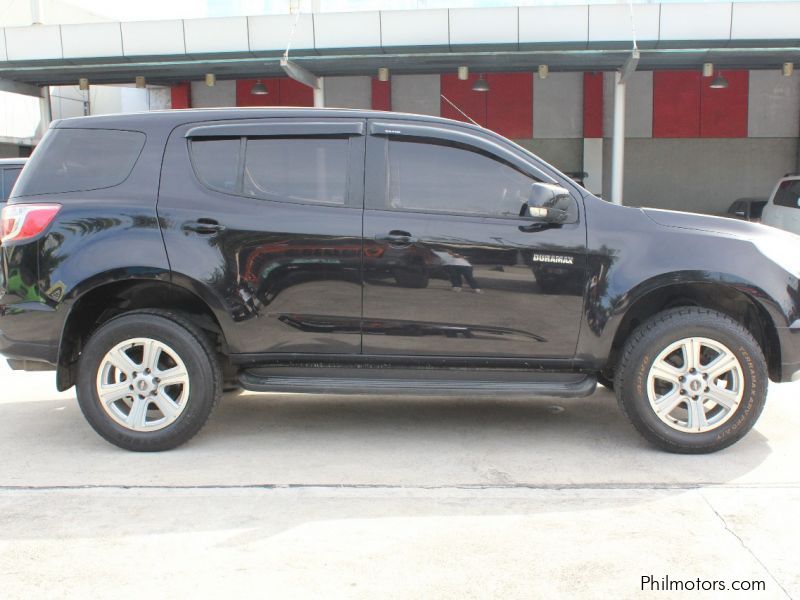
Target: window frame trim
<point x="381" y="131"/>
<point x="345" y="129"/>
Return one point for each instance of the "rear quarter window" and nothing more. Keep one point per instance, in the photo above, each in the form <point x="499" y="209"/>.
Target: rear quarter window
<point x="79" y="160"/>
<point x="788" y="194"/>
<point x="8" y="176"/>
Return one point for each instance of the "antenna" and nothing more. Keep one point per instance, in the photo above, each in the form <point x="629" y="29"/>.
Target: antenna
<point x="451" y="103"/>
<point x="291" y="34"/>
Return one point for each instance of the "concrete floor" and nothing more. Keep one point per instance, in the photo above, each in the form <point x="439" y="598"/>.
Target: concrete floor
<point x="300" y="497"/>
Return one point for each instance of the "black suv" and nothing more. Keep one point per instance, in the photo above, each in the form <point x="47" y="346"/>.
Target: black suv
<point x="155" y="259"/>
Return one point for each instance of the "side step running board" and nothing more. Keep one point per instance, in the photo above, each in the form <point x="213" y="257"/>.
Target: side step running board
<point x="570" y="387"/>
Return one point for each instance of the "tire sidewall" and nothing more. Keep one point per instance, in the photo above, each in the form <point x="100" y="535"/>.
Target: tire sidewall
<point x="201" y="381"/>
<point x="755" y="381"/>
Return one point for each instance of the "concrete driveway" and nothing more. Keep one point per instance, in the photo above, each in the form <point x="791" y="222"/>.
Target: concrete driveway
<point x="310" y="497"/>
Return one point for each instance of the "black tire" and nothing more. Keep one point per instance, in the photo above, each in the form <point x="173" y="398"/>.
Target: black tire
<point x="194" y="349"/>
<point x="655" y="335"/>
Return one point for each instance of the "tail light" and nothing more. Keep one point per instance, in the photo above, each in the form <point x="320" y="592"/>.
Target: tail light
<point x="25" y="221"/>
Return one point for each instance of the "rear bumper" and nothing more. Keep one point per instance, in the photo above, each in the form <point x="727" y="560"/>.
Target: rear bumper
<point x="26" y="333"/>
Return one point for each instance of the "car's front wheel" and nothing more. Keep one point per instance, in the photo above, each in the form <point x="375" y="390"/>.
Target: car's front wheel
<point x="148" y="380"/>
<point x="692" y="380"/>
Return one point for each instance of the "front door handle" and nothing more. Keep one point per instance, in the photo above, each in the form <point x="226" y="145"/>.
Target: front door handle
<point x="397" y="238"/>
<point x="203" y="226"/>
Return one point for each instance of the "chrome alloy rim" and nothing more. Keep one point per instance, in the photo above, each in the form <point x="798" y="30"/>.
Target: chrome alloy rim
<point x="143" y="384"/>
<point x="695" y="384"/>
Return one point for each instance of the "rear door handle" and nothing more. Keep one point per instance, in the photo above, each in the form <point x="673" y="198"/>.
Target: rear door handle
<point x="203" y="226"/>
<point x="397" y="238"/>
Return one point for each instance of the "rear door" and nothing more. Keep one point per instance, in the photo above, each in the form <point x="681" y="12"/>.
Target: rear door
<point x="450" y="266"/>
<point x="263" y="219"/>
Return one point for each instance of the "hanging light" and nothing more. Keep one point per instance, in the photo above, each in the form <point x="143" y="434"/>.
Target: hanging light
<point x="708" y="69"/>
<point x="544" y="70"/>
<point x="83" y="83"/>
<point x="480" y="85"/>
<point x="140" y="82"/>
<point x="211" y="79"/>
<point x="788" y="69"/>
<point x="383" y="74"/>
<point x="719" y="82"/>
<point x="259" y="89"/>
<point x="463" y="73"/>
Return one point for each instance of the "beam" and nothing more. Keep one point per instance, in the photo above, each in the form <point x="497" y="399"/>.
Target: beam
<point x="306" y="77"/>
<point x="630" y="65"/>
<point x="15" y="87"/>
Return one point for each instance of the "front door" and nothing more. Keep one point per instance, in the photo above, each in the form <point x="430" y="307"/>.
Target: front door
<point x="450" y="266"/>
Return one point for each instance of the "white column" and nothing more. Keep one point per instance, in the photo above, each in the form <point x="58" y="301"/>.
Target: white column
<point x="45" y="111"/>
<point x="319" y="93"/>
<point x="593" y="164"/>
<point x="618" y="140"/>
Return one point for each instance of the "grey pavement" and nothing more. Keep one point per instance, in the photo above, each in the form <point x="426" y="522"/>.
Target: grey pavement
<point x="306" y="497"/>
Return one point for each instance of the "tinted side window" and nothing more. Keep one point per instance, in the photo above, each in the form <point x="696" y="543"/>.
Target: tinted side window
<point x="77" y="160"/>
<point x="788" y="194"/>
<point x="7" y="178"/>
<point x="439" y="176"/>
<point x="298" y="169"/>
<point x="216" y="162"/>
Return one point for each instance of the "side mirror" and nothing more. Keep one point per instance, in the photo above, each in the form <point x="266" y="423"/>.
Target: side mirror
<point x="550" y="202"/>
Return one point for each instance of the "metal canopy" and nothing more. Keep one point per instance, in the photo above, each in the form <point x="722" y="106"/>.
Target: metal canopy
<point x="170" y="71"/>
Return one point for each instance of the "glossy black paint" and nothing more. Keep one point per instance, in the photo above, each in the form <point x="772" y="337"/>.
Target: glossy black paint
<point x="293" y="282"/>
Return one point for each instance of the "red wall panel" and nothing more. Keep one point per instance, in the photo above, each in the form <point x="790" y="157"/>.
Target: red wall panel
<point x="381" y="94"/>
<point x="294" y="93"/>
<point x="282" y="92"/>
<point x="723" y="112"/>
<point x="676" y="104"/>
<point x="181" y="95"/>
<point x="592" y="105"/>
<point x="509" y="104"/>
<point x="461" y="94"/>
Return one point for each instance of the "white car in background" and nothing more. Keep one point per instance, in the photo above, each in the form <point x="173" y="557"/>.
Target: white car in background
<point x="783" y="209"/>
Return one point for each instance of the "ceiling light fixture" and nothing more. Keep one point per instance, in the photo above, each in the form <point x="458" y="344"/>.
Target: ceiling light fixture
<point x="383" y="74"/>
<point x="83" y="83"/>
<point x="788" y="69"/>
<point x="140" y="82"/>
<point x="259" y="89"/>
<point x="211" y="79"/>
<point x="480" y="85"/>
<point x="463" y="73"/>
<point x="719" y="82"/>
<point x="708" y="69"/>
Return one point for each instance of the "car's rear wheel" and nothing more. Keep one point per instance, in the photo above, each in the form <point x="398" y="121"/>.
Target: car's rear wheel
<point x="692" y="380"/>
<point x="148" y="380"/>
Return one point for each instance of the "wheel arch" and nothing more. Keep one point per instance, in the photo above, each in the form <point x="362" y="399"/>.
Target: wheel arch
<point x="103" y="302"/>
<point x="722" y="297"/>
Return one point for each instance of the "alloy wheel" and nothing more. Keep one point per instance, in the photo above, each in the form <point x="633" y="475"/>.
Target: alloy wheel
<point x="695" y="384"/>
<point x="143" y="384"/>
